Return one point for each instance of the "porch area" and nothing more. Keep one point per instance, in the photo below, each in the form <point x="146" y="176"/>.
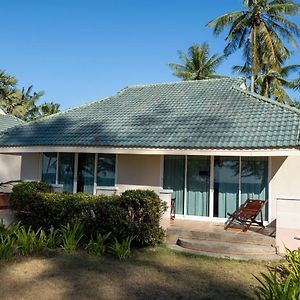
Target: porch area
<point x="210" y="238"/>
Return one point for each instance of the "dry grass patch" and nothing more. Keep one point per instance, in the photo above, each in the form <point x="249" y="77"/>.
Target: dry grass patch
<point x="150" y="274"/>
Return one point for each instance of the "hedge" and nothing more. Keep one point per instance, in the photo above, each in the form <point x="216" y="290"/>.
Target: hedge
<point x="135" y="213"/>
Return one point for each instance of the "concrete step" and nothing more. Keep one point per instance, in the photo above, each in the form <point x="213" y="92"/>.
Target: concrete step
<point x="226" y="248"/>
<point x="174" y="233"/>
<point x="267" y="257"/>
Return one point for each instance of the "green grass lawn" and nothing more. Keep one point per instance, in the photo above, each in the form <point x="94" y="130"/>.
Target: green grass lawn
<point x="155" y="273"/>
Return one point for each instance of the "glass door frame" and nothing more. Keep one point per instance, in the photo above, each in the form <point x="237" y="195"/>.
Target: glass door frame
<point x="211" y="217"/>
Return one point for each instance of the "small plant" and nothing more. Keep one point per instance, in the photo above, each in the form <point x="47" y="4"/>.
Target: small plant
<point x="39" y="240"/>
<point x="122" y="250"/>
<point x="6" y="246"/>
<point x="283" y="281"/>
<point x="53" y="238"/>
<point x="70" y="237"/>
<point x="97" y="246"/>
<point x="27" y="240"/>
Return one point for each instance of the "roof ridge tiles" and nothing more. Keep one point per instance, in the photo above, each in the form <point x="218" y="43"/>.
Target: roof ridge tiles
<point x="240" y="78"/>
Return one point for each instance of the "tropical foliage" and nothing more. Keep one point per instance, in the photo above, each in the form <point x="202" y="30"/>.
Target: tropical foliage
<point x="271" y="83"/>
<point x="23" y="103"/>
<point x="260" y="29"/>
<point x="197" y="64"/>
<point x="282" y="281"/>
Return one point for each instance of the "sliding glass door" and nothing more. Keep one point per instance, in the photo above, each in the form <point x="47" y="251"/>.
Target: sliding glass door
<point x="226" y="185"/>
<point x="198" y="176"/>
<point x="66" y="171"/>
<point x="86" y="173"/>
<point x="254" y="180"/>
<point x="174" y="173"/>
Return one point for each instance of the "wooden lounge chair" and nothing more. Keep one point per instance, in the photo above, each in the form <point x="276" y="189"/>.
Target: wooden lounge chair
<point x="247" y="214"/>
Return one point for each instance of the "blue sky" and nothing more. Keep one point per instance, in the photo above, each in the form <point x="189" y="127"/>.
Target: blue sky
<point x="81" y="50"/>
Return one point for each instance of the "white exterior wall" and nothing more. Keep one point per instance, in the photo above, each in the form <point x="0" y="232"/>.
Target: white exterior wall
<point x="10" y="167"/>
<point x="285" y="203"/>
<point x="31" y="167"/>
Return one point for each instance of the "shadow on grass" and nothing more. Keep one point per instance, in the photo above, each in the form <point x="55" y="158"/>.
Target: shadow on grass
<point x="149" y="274"/>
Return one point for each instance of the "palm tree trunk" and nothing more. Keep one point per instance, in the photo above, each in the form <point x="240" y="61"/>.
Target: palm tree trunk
<point x="252" y="61"/>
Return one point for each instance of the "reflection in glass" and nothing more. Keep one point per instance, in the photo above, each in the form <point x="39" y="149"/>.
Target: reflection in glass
<point x="106" y="170"/>
<point x="198" y="185"/>
<point x="174" y="178"/>
<point x="226" y="185"/>
<point x="254" y="179"/>
<point x="49" y="168"/>
<point x="66" y="171"/>
<point x="85" y="178"/>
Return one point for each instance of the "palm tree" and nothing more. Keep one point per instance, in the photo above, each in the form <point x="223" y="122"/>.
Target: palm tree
<point x="48" y="108"/>
<point x="29" y="99"/>
<point x="9" y="96"/>
<point x="260" y="29"/>
<point x="295" y="84"/>
<point x="197" y="63"/>
<point x="270" y="83"/>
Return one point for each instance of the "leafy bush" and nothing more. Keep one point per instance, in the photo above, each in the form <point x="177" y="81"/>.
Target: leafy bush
<point x="283" y="281"/>
<point x="144" y="211"/>
<point x="122" y="250"/>
<point x="70" y="237"/>
<point x="134" y="213"/>
<point x="97" y="246"/>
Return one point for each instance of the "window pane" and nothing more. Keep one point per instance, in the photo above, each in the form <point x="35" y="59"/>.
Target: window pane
<point x="86" y="166"/>
<point x="226" y="186"/>
<point x="198" y="185"/>
<point x="254" y="179"/>
<point x="66" y="171"/>
<point x="174" y="178"/>
<point x="106" y="170"/>
<point x="49" y="168"/>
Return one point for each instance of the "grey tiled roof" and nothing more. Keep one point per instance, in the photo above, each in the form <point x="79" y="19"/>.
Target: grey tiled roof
<point x="213" y="113"/>
<point x="8" y="121"/>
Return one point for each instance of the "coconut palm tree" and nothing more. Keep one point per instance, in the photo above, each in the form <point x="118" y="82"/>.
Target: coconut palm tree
<point x="197" y="63"/>
<point x="48" y="108"/>
<point x="295" y="84"/>
<point x="271" y="83"/>
<point x="260" y="29"/>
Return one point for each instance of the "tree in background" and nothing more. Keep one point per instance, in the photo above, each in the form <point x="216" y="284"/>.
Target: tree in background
<point x="270" y="83"/>
<point x="260" y="29"/>
<point x="48" y="108"/>
<point x="22" y="103"/>
<point x="197" y="63"/>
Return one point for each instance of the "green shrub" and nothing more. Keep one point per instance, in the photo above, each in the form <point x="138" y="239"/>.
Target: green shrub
<point x="7" y="246"/>
<point x="134" y="213"/>
<point x="97" y="246"/>
<point x="122" y="250"/>
<point x="70" y="237"/>
<point x="144" y="210"/>
<point x="283" y="281"/>
<point x="25" y="240"/>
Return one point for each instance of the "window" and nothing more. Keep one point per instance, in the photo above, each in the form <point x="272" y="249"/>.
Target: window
<point x="85" y="177"/>
<point x="233" y="180"/>
<point x="49" y="168"/>
<point x="198" y="176"/>
<point x="226" y="185"/>
<point x="106" y="170"/>
<point x="66" y="171"/>
<point x="254" y="180"/>
<point x="174" y="179"/>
